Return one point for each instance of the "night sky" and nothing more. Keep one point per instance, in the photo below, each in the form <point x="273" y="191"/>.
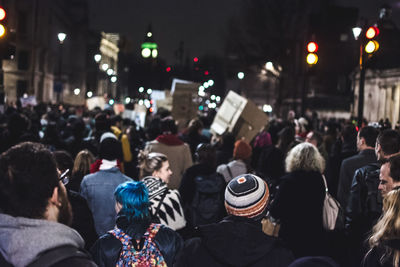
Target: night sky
<point x="201" y="24"/>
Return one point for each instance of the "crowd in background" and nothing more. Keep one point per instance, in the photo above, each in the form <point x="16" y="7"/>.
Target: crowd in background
<point x="200" y="199"/>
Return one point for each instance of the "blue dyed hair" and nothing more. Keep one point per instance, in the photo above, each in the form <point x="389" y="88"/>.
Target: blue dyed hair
<point x="134" y="198"/>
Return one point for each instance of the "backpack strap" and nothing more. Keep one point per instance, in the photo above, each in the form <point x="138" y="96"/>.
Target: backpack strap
<point x="153" y="230"/>
<point x="56" y="255"/>
<point x="159" y="203"/>
<point x="229" y="170"/>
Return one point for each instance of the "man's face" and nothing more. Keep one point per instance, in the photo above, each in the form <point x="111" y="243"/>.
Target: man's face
<point x="385" y="181"/>
<point x="378" y="151"/>
<point x="65" y="210"/>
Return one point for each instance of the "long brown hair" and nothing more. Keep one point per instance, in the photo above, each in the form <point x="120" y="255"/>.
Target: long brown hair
<point x="82" y="162"/>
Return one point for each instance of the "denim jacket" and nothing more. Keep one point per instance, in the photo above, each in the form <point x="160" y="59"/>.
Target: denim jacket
<point x="98" y="190"/>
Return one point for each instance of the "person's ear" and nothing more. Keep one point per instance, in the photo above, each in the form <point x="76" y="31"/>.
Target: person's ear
<point x="362" y="140"/>
<point x="54" y="197"/>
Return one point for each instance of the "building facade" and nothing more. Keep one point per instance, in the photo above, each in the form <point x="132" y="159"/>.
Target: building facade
<point x="44" y="66"/>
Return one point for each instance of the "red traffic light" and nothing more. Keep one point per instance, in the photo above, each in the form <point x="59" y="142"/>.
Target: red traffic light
<point x="312" y="47"/>
<point x="372" y="32"/>
<point x="2" y="13"/>
<point x="206" y="72"/>
<point x="168" y="69"/>
<point x="196" y="59"/>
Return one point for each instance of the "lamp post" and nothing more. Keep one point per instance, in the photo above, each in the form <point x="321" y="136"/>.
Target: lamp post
<point x="356" y="33"/>
<point x="59" y="85"/>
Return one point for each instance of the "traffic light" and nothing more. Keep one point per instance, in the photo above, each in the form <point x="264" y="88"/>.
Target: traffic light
<point x="3" y="19"/>
<point x="312" y="57"/>
<point x="372" y="44"/>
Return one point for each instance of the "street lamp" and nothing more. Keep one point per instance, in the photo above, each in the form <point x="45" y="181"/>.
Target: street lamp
<point x="61" y="37"/>
<point x="104" y="66"/>
<point x="58" y="86"/>
<point x="356" y="33"/>
<point x="97" y="58"/>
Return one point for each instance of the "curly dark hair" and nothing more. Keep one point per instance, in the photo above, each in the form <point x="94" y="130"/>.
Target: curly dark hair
<point x="28" y="176"/>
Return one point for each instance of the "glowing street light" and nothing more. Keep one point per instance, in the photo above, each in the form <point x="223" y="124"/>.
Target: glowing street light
<point x="149" y="91"/>
<point x="61" y="37"/>
<point x="104" y="66"/>
<point x="356" y="32"/>
<point x="113" y="79"/>
<point x="89" y="94"/>
<point x="110" y="72"/>
<point x="127" y="100"/>
<point x="97" y="58"/>
<point x="141" y="89"/>
<point x="77" y="91"/>
<point x="240" y="75"/>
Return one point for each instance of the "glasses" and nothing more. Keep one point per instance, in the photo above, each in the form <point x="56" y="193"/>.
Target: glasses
<point x="64" y="178"/>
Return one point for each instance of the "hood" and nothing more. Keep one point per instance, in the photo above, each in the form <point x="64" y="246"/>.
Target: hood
<point x="236" y="241"/>
<point x="22" y="239"/>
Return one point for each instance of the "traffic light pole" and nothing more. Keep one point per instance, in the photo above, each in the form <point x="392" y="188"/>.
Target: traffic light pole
<point x="361" y="88"/>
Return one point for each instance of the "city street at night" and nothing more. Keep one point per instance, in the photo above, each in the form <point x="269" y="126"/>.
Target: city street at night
<point x="200" y="133"/>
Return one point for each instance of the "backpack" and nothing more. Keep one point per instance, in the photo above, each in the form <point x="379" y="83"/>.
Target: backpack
<point x="144" y="254"/>
<point x="208" y="201"/>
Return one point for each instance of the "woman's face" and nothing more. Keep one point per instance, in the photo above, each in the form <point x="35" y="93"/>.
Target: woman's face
<point x="164" y="173"/>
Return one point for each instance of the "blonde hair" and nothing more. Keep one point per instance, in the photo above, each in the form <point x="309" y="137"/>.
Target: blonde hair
<point x="82" y="162"/>
<point x="306" y="157"/>
<point x="150" y="162"/>
<point x="388" y="226"/>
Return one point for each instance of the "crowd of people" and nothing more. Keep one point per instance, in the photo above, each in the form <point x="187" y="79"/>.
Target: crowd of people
<point x="90" y="188"/>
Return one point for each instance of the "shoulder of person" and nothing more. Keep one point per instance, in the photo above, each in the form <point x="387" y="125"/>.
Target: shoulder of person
<point x="63" y="256"/>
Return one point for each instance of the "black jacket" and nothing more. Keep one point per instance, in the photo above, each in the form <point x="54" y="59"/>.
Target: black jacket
<point x="365" y="201"/>
<point x="376" y="256"/>
<point x="298" y="205"/>
<point x="82" y="220"/>
<point x="107" y="249"/>
<point x="235" y="241"/>
<point x="347" y="170"/>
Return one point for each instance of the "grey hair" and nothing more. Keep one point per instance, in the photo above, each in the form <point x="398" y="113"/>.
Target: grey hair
<point x="305" y="157"/>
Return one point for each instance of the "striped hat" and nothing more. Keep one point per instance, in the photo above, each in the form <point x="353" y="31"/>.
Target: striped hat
<point x="247" y="196"/>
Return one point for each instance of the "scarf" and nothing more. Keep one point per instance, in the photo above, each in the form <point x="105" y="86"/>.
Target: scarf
<point x="103" y="164"/>
<point x="169" y="140"/>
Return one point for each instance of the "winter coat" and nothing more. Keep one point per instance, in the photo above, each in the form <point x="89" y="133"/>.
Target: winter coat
<point x="23" y="240"/>
<point x="298" y="205"/>
<point x="235" y="241"/>
<point x="83" y="219"/>
<point x="365" y="201"/>
<point x="363" y="210"/>
<point x="347" y="170"/>
<point x="179" y="158"/>
<point x="171" y="211"/>
<point x="98" y="190"/>
<point x="107" y="249"/>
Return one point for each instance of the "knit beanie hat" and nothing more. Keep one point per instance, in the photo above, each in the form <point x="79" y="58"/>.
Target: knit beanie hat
<point x="110" y="148"/>
<point x="242" y="150"/>
<point x="247" y="196"/>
